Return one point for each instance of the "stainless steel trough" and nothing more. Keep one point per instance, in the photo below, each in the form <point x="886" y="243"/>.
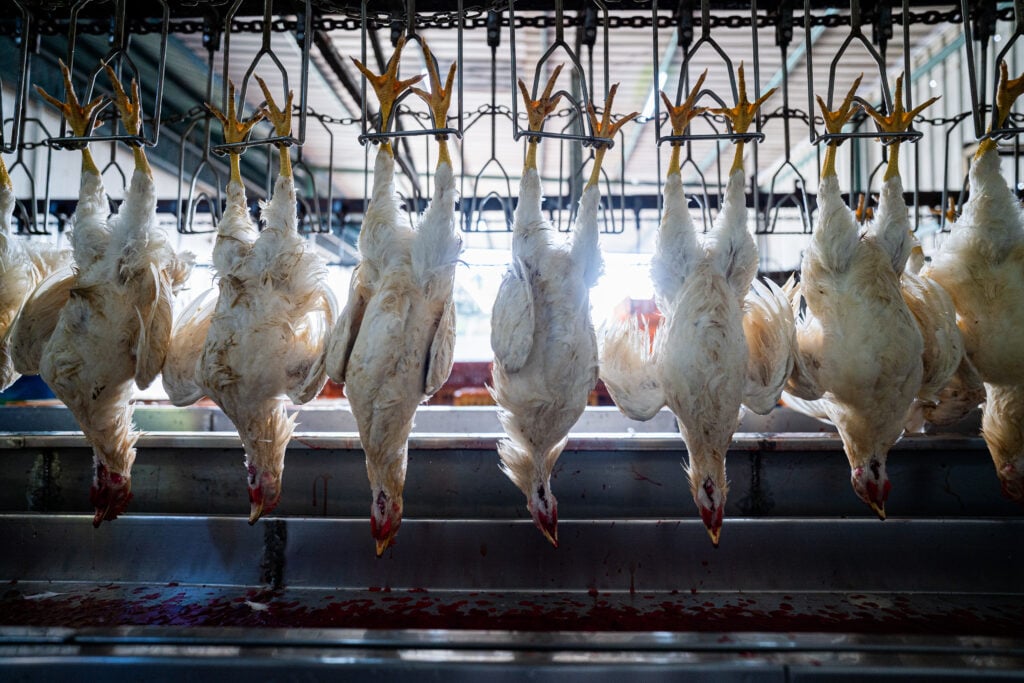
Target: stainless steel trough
<point x="806" y="582"/>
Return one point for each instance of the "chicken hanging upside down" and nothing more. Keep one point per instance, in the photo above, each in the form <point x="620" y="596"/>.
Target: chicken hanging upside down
<point x="23" y="265"/>
<point x="721" y="344"/>
<point x="265" y="338"/>
<point x="928" y="302"/>
<point x="862" y="355"/>
<point x="393" y="345"/>
<point x="981" y="265"/>
<point x="545" y="350"/>
<point x="115" y="325"/>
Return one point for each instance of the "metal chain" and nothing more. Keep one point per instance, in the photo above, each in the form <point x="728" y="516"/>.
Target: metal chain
<point x="477" y="20"/>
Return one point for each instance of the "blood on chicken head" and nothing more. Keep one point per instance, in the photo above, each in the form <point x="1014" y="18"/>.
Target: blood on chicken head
<point x="385" y="518"/>
<point x="264" y="492"/>
<point x="710" y="499"/>
<point x="543" y="508"/>
<point x="872" y="484"/>
<point x="109" y="495"/>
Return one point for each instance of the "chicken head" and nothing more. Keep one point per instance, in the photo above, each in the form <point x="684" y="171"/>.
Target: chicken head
<point x="385" y="518"/>
<point x="110" y="494"/>
<point x="871" y="484"/>
<point x="264" y="491"/>
<point x="710" y="489"/>
<point x="543" y="508"/>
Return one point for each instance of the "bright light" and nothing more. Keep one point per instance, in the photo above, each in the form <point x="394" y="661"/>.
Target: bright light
<point x="649" y="106"/>
<point x="933" y="83"/>
<point x="997" y="37"/>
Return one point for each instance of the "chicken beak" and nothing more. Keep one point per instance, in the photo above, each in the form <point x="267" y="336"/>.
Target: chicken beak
<point x="255" y="511"/>
<point x="551" y="534"/>
<point x="382" y="545"/>
<point x="879" y="509"/>
<point x="715" y="535"/>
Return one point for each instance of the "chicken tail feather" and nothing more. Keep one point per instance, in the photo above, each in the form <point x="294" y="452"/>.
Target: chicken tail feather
<point x="187" y="339"/>
<point x="768" y="328"/>
<point x="629" y="369"/>
<point x="935" y="314"/>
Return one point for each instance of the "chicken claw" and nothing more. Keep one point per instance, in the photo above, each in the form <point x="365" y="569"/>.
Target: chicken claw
<point x="863" y="213"/>
<point x="387" y="85"/>
<point x="1007" y="92"/>
<point x="682" y="115"/>
<point x="235" y="131"/>
<point x="538" y="110"/>
<point x="79" y="116"/>
<point x="605" y="128"/>
<point x="130" y="108"/>
<point x="742" y="115"/>
<point x="900" y="119"/>
<point x="438" y="99"/>
<point x="281" y="118"/>
<point x="835" y="120"/>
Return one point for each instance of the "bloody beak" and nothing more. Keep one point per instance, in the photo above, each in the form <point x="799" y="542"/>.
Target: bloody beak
<point x="550" y="532"/>
<point x="255" y="511"/>
<point x="546" y="521"/>
<point x="713" y="522"/>
<point x="255" y="503"/>
<point x="384" y="534"/>
<point x="879" y="509"/>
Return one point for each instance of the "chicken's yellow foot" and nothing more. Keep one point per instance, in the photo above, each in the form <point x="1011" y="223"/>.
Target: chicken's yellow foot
<point x="537" y="111"/>
<point x="898" y="121"/>
<point x="439" y="99"/>
<point x="235" y="131"/>
<point x="606" y="130"/>
<point x="388" y="88"/>
<point x="681" y="116"/>
<point x="1007" y="92"/>
<point x="741" y="116"/>
<point x="863" y="213"/>
<point x="76" y="114"/>
<point x="282" y="121"/>
<point x="130" y="110"/>
<point x="951" y="212"/>
<point x="834" y="122"/>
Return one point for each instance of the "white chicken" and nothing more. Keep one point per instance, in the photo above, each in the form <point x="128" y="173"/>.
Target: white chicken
<point x="23" y="265"/>
<point x="394" y="342"/>
<point x="116" y="323"/>
<point x="981" y="265"/>
<point x="862" y="356"/>
<point x="929" y="303"/>
<point x="545" y="349"/>
<point x="266" y="337"/>
<point x="720" y="344"/>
